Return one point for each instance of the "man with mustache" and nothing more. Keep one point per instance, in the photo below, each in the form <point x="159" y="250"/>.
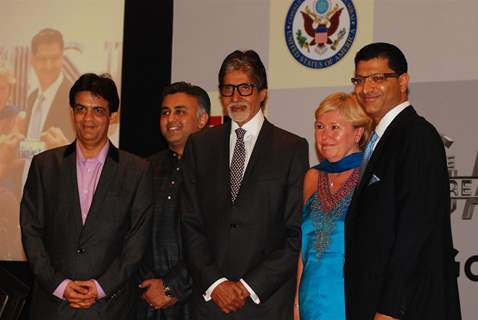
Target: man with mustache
<point x="166" y="282"/>
<point x="399" y="252"/>
<point x="241" y="203"/>
<point x="85" y="215"/>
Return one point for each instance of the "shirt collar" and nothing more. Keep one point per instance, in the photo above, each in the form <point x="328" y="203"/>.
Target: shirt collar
<point x="252" y="126"/>
<point x="174" y="154"/>
<point x="389" y="116"/>
<point x="100" y="157"/>
<point x="50" y="92"/>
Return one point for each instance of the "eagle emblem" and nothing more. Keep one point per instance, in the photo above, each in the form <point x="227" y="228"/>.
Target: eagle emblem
<point x="320" y="32"/>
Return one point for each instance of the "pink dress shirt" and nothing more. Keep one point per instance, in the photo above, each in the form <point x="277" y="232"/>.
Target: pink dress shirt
<point x="88" y="172"/>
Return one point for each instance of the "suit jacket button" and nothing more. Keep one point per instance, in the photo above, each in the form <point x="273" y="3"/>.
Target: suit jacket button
<point x="80" y="251"/>
<point x="233" y="225"/>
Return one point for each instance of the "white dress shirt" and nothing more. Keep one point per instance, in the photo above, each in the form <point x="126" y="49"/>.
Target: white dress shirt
<point x="252" y="127"/>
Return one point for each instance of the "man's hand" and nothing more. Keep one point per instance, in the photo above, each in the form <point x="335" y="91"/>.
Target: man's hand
<point x="379" y="316"/>
<point x="9" y="146"/>
<point x="296" y="309"/>
<point x="53" y="137"/>
<point x="78" y="296"/>
<point x="229" y="296"/>
<point x="155" y="294"/>
<point x="244" y="294"/>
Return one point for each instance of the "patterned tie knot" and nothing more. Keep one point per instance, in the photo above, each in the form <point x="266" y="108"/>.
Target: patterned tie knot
<point x="240" y="133"/>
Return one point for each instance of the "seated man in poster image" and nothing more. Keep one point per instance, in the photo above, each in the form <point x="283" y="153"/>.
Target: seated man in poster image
<point x="164" y="278"/>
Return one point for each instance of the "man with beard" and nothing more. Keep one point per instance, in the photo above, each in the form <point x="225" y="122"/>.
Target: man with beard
<point x="241" y="203"/>
<point x="166" y="282"/>
<point x="85" y="215"/>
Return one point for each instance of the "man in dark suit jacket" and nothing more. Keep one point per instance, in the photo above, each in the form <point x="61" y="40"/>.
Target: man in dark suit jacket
<point x="58" y="117"/>
<point x="47" y="117"/>
<point x="399" y="251"/>
<point x="85" y="216"/>
<point x="241" y="204"/>
<point x="163" y="274"/>
<point x="47" y="61"/>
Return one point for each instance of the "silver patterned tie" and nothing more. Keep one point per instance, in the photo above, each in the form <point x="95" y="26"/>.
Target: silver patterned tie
<point x="237" y="163"/>
<point x="368" y="152"/>
<point x="36" y="119"/>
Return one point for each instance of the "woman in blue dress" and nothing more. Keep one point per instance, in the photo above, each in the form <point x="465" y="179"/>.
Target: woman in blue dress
<point x="341" y="131"/>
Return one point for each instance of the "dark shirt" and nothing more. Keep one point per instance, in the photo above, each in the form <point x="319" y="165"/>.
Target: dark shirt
<point x="163" y="260"/>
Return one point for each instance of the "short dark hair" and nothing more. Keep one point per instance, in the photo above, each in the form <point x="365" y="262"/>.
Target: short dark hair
<point x="247" y="60"/>
<point x="99" y="85"/>
<point x="396" y="59"/>
<point x="192" y="90"/>
<point x="47" y="36"/>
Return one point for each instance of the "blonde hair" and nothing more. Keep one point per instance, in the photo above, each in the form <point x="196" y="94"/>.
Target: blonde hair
<point x="349" y="107"/>
<point x="7" y="73"/>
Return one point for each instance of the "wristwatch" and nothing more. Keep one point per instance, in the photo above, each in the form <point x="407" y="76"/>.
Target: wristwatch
<point x="167" y="292"/>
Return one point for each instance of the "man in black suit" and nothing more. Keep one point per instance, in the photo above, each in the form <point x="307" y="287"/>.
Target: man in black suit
<point x="163" y="275"/>
<point x="241" y="203"/>
<point x="399" y="251"/>
<point x="85" y="215"/>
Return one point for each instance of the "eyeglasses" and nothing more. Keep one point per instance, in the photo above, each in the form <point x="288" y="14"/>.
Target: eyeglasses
<point x="375" y="78"/>
<point x="244" y="89"/>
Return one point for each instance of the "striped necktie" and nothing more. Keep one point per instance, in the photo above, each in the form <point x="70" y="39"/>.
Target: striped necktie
<point x="36" y="119"/>
<point x="368" y="152"/>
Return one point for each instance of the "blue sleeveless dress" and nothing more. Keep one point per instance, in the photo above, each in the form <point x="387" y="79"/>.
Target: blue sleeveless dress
<point x="321" y="291"/>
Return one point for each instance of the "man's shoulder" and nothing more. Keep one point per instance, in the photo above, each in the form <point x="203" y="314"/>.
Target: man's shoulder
<point x="413" y="125"/>
<point x="283" y="136"/>
<point x="52" y="158"/>
<point x="210" y="134"/>
<point x="158" y="156"/>
<point x="130" y="159"/>
<point x="54" y="152"/>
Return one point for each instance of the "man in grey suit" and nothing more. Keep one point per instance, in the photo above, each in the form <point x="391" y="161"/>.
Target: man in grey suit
<point x="85" y="215"/>
<point x="241" y="204"/>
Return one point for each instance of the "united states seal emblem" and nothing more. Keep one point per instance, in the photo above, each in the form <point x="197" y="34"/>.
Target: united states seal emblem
<point x="319" y="33"/>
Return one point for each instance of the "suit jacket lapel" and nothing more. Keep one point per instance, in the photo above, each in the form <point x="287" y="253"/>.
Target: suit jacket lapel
<point x="58" y="105"/>
<point x="107" y="176"/>
<point x="258" y="151"/>
<point x="70" y="182"/>
<point x="226" y="168"/>
<point x="369" y="170"/>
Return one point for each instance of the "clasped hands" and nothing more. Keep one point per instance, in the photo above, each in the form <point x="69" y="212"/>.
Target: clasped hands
<point x="155" y="294"/>
<point x="230" y="296"/>
<point x="81" y="294"/>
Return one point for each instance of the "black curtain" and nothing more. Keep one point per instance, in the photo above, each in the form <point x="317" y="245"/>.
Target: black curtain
<point x="148" y="31"/>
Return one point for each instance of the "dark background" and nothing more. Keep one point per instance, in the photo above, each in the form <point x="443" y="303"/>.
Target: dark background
<point x="147" y="50"/>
